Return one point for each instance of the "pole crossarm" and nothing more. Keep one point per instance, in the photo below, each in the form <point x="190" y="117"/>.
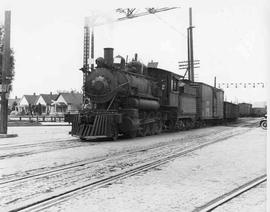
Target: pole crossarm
<point x="131" y="13"/>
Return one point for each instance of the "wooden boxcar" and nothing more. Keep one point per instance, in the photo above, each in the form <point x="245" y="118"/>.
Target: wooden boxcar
<point x="245" y="109"/>
<point x="209" y="102"/>
<point x="187" y="100"/>
<point x="231" y="111"/>
<point x="258" y="111"/>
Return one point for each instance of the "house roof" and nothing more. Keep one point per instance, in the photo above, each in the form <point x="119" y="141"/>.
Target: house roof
<point x="48" y="98"/>
<point x="72" y="98"/>
<point x="31" y="99"/>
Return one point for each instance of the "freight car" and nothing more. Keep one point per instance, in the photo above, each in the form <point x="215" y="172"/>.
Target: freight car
<point x="258" y="111"/>
<point x="245" y="109"/>
<point x="231" y="111"/>
<point x="135" y="100"/>
<point x="209" y="103"/>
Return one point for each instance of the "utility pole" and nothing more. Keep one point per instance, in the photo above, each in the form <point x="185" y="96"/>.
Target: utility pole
<point x="5" y="68"/>
<point x="190" y="47"/>
<point x="190" y="64"/>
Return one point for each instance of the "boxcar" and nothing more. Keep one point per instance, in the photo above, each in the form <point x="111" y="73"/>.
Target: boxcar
<point x="231" y="111"/>
<point x="209" y="102"/>
<point x="245" y="109"/>
<point x="187" y="101"/>
<point x="258" y="111"/>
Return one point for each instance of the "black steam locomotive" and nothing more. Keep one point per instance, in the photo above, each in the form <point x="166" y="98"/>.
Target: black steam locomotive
<point x="134" y="100"/>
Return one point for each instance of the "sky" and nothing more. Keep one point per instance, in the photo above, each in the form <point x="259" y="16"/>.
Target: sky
<point x="230" y="40"/>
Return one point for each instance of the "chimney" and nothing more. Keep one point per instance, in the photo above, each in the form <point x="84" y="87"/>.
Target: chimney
<point x="108" y="56"/>
<point x="51" y="93"/>
<point x="34" y="94"/>
<point x="15" y="97"/>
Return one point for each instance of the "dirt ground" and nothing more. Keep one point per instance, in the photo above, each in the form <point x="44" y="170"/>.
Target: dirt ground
<point x="180" y="185"/>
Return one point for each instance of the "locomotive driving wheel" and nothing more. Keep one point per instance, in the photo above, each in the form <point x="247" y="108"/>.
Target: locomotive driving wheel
<point x="145" y="130"/>
<point x="154" y="129"/>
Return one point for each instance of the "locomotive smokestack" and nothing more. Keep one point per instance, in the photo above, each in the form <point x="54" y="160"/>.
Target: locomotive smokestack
<point x="108" y="56"/>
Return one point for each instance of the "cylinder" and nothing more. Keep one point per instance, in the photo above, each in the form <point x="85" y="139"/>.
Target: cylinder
<point x="108" y="56"/>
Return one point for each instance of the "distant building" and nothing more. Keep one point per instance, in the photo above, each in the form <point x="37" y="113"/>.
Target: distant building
<point x="44" y="103"/>
<point x="27" y="103"/>
<point x="245" y="109"/>
<point x="67" y="102"/>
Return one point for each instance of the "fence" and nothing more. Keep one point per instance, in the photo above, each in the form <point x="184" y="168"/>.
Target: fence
<point x="37" y="118"/>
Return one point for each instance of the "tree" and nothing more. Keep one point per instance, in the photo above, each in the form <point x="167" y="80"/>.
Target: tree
<point x="11" y="73"/>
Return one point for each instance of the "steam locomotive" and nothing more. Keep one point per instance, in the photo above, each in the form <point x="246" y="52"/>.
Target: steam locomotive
<point x="134" y="100"/>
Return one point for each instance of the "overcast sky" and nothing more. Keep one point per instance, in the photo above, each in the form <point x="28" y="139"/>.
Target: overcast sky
<point x="231" y="39"/>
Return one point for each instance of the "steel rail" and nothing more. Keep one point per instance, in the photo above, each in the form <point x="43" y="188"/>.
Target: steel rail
<point x="213" y="204"/>
<point x="43" y="203"/>
<point x="42" y="142"/>
<point x="85" y="162"/>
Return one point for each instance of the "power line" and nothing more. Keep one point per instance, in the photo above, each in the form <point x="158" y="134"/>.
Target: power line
<point x="171" y="26"/>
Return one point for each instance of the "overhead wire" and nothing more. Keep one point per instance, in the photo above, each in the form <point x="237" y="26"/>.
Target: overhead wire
<point x="169" y="25"/>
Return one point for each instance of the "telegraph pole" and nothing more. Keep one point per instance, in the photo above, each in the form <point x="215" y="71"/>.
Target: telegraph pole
<point x="5" y="68"/>
<point x="190" y="47"/>
<point x="190" y="64"/>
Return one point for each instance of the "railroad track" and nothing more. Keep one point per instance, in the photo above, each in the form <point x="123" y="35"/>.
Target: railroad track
<point x="210" y="206"/>
<point x="43" y="202"/>
<point x="86" y="162"/>
<point x="20" y="146"/>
